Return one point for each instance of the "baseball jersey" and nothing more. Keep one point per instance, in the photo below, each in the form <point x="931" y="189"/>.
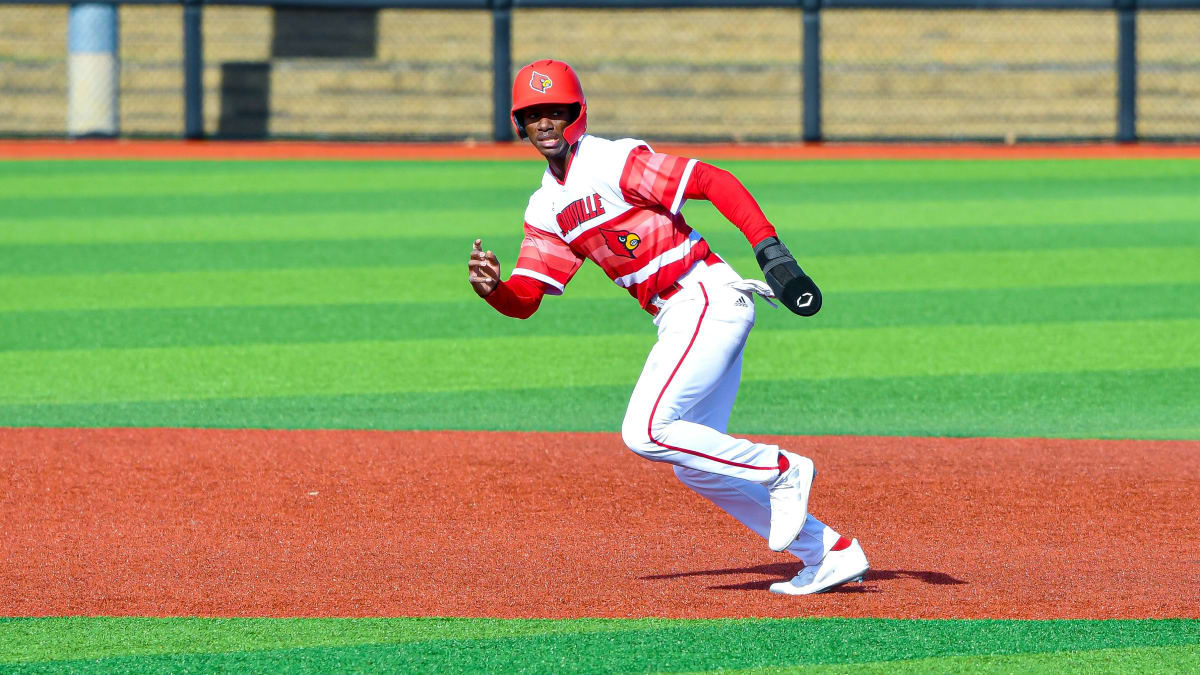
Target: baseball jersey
<point x="619" y="207"/>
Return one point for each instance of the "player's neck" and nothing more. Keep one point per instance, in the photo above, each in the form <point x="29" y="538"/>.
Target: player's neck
<point x="558" y="165"/>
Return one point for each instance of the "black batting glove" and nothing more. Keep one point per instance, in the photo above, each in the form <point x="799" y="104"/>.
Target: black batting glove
<point x="791" y="285"/>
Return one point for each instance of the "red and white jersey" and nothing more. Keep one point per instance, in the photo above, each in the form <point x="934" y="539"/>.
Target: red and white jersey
<point x="618" y="206"/>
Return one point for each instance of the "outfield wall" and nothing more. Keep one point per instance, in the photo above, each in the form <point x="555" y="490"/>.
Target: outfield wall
<point x="681" y="74"/>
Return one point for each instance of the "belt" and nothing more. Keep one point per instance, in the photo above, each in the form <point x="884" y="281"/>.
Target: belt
<point x="666" y="293"/>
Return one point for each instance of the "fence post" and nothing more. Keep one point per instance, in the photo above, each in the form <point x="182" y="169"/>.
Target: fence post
<point x="93" y="70"/>
<point x="193" y="70"/>
<point x="501" y="70"/>
<point x="1126" y="71"/>
<point x="811" y="74"/>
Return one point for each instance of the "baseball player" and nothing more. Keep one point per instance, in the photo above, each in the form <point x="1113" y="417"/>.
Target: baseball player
<point x="617" y="203"/>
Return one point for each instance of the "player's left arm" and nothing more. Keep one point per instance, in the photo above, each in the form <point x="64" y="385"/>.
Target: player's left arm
<point x="791" y="285"/>
<point x="731" y="198"/>
<point x="660" y="180"/>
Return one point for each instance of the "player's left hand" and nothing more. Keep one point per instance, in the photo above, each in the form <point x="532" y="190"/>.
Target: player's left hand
<point x="485" y="270"/>
<point x="792" y="286"/>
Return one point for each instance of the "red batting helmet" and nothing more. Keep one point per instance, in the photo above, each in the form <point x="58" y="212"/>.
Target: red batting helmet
<point x="549" y="81"/>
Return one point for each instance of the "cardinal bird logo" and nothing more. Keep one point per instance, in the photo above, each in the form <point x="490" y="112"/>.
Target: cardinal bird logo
<point x="621" y="242"/>
<point x="540" y="83"/>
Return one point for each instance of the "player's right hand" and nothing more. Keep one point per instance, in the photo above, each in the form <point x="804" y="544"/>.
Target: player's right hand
<point x="485" y="270"/>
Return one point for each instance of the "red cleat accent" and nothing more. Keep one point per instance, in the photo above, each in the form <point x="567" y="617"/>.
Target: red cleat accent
<point x="841" y="544"/>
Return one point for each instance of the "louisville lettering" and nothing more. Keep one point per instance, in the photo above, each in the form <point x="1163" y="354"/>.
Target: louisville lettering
<point x="578" y="212"/>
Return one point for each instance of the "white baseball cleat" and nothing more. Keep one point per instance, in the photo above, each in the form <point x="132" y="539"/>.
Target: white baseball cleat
<point x="836" y="568"/>
<point x="789" y="500"/>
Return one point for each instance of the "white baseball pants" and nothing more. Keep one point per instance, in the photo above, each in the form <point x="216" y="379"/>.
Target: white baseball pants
<point x="680" y="407"/>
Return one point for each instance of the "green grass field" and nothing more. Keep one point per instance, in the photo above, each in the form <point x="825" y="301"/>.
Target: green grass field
<point x="1017" y="298"/>
<point x="593" y="645"/>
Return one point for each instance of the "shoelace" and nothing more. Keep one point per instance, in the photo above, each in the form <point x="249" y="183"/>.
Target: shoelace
<point x="806" y="575"/>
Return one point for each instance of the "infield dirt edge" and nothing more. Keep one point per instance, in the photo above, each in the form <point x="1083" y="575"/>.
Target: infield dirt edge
<point x="190" y="522"/>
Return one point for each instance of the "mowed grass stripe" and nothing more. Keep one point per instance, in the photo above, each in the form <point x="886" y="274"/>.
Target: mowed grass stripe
<point x="217" y="201"/>
<point x="46" y="259"/>
<point x="84" y="178"/>
<point x="264" y="200"/>
<point x="49" y="260"/>
<point x="587" y="645"/>
<point x="100" y="375"/>
<point x="1124" y="660"/>
<point x="53" y="638"/>
<point x="438" y="283"/>
<point x="542" y="656"/>
<point x="900" y="241"/>
<point x="1145" y="404"/>
<point x="484" y="194"/>
<point x="426" y="182"/>
<point x="1150" y="404"/>
<point x="347" y="224"/>
<point x="471" y="219"/>
<point x="181" y="327"/>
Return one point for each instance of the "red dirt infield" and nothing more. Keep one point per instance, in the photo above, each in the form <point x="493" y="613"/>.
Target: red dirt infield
<point x="276" y="150"/>
<point x="186" y="522"/>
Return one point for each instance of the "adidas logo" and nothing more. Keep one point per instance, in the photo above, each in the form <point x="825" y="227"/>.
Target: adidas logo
<point x="741" y="302"/>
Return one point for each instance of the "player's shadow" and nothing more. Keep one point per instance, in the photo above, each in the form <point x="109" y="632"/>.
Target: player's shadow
<point x="782" y="571"/>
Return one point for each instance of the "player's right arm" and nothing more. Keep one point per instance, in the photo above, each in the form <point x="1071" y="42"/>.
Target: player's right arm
<point x="544" y="267"/>
<point x="518" y="297"/>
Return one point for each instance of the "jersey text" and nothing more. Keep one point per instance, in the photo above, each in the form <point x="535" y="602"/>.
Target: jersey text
<point x="579" y="212"/>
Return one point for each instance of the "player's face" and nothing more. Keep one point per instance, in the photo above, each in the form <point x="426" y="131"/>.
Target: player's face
<point x="544" y="126"/>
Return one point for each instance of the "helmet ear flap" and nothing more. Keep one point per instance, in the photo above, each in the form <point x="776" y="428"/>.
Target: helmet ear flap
<point x="578" y="124"/>
<point x="518" y="126"/>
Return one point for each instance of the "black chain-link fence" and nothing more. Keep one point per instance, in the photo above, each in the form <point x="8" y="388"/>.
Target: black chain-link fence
<point x="671" y="74"/>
